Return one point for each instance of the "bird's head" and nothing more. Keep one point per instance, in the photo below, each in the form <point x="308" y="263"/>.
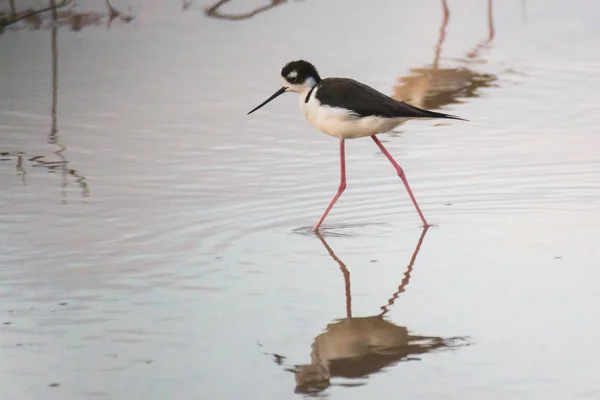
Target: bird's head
<point x="297" y="76"/>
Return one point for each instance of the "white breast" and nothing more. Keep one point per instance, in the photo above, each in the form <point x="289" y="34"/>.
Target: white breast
<point x="340" y="122"/>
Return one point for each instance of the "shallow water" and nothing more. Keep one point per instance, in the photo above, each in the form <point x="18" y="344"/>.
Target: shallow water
<point x="155" y="241"/>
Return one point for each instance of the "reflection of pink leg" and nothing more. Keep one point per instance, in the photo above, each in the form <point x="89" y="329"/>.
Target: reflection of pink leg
<point x="402" y="176"/>
<point x="340" y="189"/>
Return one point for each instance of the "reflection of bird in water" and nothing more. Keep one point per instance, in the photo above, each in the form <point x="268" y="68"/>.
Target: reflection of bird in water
<point x="355" y="347"/>
<point x="433" y="87"/>
<point x="358" y="347"/>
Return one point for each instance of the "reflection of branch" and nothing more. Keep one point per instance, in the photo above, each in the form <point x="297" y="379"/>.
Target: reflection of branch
<point x="52" y="7"/>
<point x="406" y="279"/>
<point x="53" y="136"/>
<point x="346" y="273"/>
<point x="54" y="49"/>
<point x="214" y="10"/>
<point x="20" y="169"/>
<point x="61" y="165"/>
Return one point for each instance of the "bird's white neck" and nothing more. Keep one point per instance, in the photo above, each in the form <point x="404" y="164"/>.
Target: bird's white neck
<point x="307" y="87"/>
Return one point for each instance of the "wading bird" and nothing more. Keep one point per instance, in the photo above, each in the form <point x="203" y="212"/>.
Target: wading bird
<point x="348" y="109"/>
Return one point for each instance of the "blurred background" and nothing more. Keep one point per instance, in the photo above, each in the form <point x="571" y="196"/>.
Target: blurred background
<point x="155" y="240"/>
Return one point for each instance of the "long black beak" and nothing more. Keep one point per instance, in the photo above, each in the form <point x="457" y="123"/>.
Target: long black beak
<point x="277" y="93"/>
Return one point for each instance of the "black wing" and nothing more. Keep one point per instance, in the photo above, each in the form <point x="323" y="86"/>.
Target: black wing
<point x="365" y="101"/>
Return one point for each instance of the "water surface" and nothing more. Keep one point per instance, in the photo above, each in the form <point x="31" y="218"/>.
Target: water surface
<point x="154" y="239"/>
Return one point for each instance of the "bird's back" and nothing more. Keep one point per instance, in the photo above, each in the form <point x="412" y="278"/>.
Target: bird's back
<point x="364" y="101"/>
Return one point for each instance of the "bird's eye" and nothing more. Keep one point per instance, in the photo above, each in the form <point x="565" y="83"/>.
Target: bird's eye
<point x="292" y="77"/>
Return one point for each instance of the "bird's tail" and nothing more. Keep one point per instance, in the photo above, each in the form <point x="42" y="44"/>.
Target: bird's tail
<point x="421" y="113"/>
<point x="433" y="114"/>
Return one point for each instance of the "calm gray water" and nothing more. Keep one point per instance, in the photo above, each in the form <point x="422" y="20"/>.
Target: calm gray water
<point x="154" y="240"/>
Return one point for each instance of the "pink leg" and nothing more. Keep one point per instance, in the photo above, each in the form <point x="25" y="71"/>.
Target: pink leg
<point x="402" y="176"/>
<point x="340" y="189"/>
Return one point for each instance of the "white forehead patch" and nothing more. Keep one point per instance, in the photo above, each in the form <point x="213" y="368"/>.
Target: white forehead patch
<point x="292" y="74"/>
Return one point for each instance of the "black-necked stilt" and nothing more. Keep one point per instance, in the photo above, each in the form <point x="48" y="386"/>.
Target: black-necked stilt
<point x="348" y="109"/>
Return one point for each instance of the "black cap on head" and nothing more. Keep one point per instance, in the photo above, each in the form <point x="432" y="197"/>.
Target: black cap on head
<point x="298" y="71"/>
